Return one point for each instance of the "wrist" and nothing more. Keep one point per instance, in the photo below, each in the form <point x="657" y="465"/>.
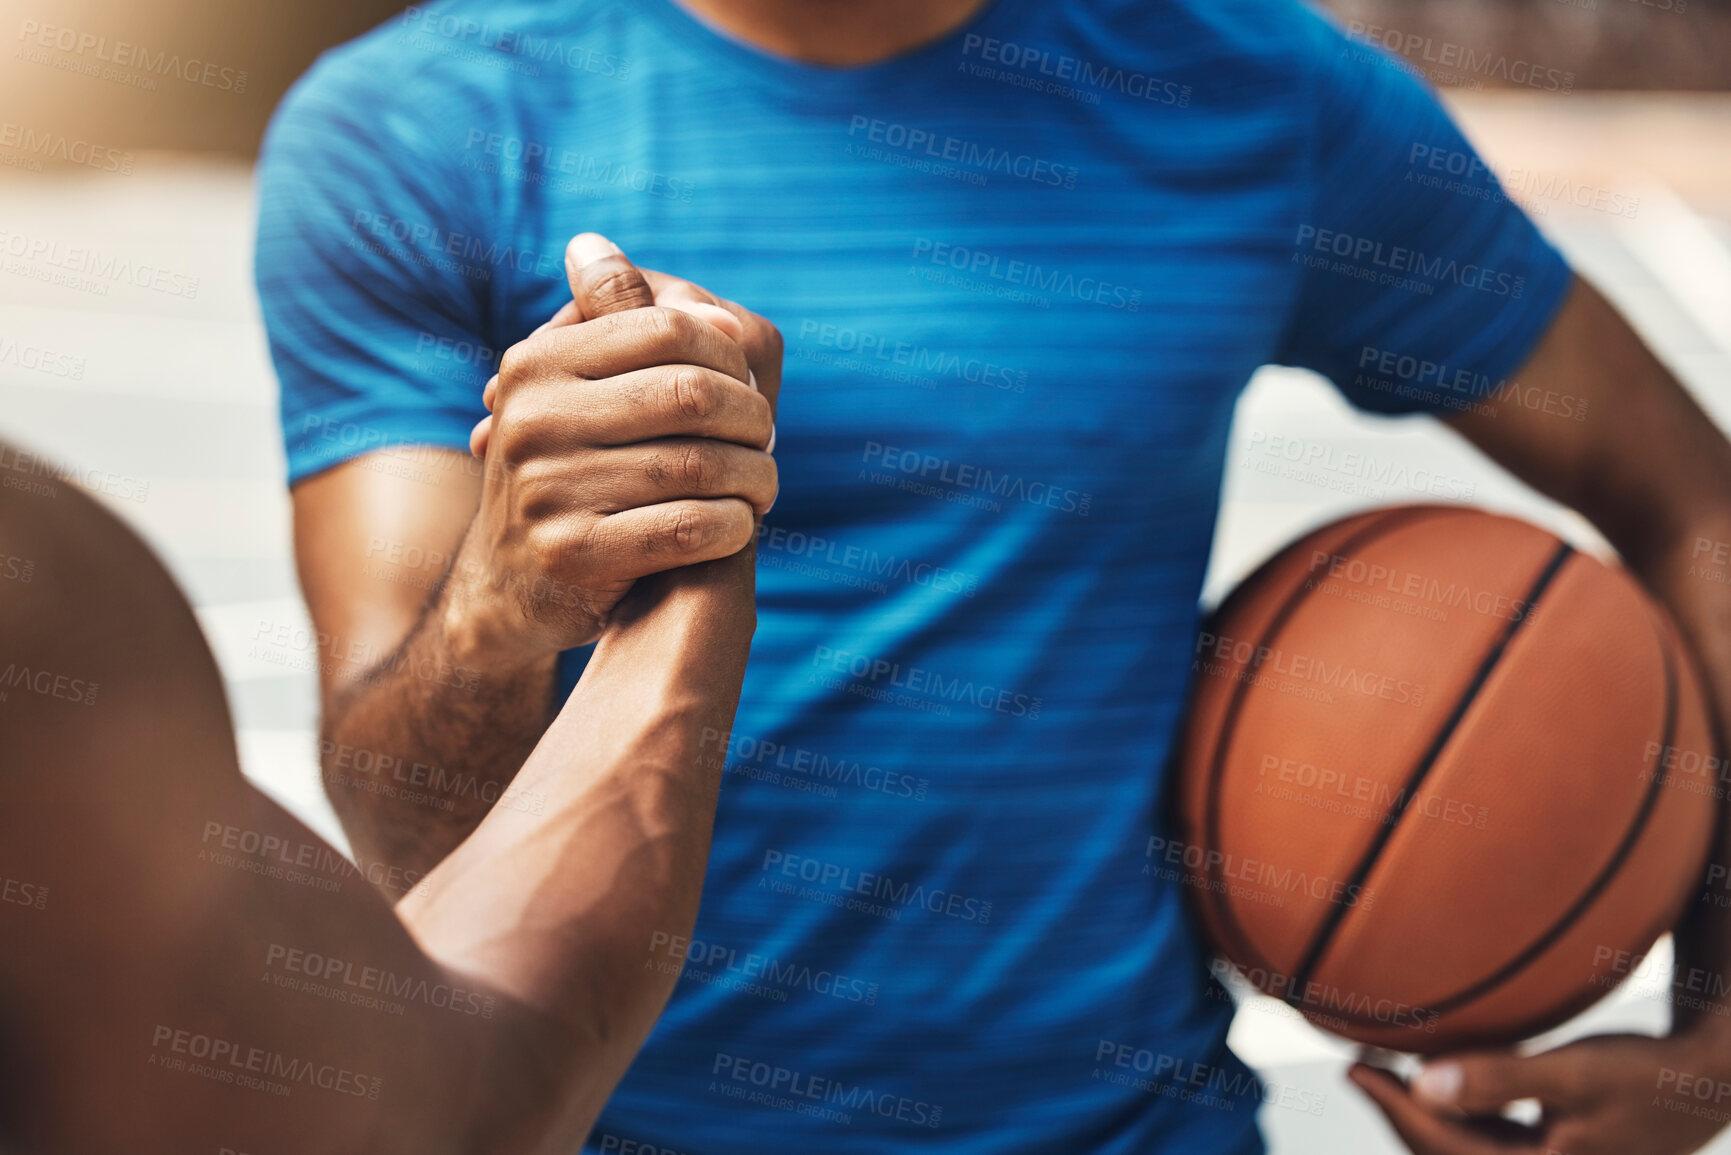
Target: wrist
<point x="715" y="594"/>
<point x="475" y="625"/>
<point x="1700" y="1012"/>
<point x="1705" y="1040"/>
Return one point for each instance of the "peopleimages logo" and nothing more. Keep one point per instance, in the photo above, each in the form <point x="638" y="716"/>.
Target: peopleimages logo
<point x="800" y="1091"/>
<point x="1397" y="259"/>
<point x="923" y="363"/>
<point x="344" y="980"/>
<point x="1460" y="388"/>
<point x="1217" y="871"/>
<point x="18" y="569"/>
<point x="123" y="54"/>
<point x="40" y="359"/>
<point x="718" y="964"/>
<point x="1447" y="55"/>
<point x="930" y="470"/>
<point x="88" y="269"/>
<point x="226" y="1061"/>
<point x="1058" y="282"/>
<point x="966" y="153"/>
<point x="440" y="248"/>
<point x="28" y="466"/>
<point x="535" y="162"/>
<point x="1472" y="177"/>
<point x="47" y="684"/>
<point x="46" y="144"/>
<point x="1199" y="1084"/>
<point x="1060" y="67"/>
<point x="765" y="759"/>
<point x="834" y="876"/>
<point x="958" y="689"/>
<point x="20" y="893"/>
<point x="831" y="560"/>
<point x="462" y="32"/>
<point x="1446" y="592"/>
<point x="1250" y="661"/>
<point x="1327" y="1002"/>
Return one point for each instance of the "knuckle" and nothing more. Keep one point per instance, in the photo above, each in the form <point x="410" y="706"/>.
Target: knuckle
<point x="508" y="443"/>
<point x="683" y="531"/>
<point x="694" y="397"/>
<point x="540" y="491"/>
<point x="517" y="364"/>
<point x="521" y="432"/>
<point x="548" y="543"/>
<point x="696" y="468"/>
<point x="614" y="285"/>
<point x="660" y="327"/>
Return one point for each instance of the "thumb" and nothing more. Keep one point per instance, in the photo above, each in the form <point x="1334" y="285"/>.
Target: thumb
<point x="603" y="280"/>
<point x="1485" y="1083"/>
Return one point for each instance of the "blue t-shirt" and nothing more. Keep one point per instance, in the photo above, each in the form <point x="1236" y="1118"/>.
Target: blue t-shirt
<point x="1023" y="274"/>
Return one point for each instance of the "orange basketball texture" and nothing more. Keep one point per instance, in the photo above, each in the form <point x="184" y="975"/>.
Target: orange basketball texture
<point x="1429" y="786"/>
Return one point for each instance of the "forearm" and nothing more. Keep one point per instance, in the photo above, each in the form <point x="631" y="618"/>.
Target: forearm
<point x="1667" y="520"/>
<point x="1668" y="512"/>
<point x="1652" y="472"/>
<point x="1702" y="607"/>
<point x="416" y="750"/>
<point x="556" y="910"/>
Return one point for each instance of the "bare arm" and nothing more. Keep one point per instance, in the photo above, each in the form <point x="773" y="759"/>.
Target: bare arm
<point x="624" y="441"/>
<point x="192" y="969"/>
<point x="630" y="807"/>
<point x="1653" y="473"/>
<point x="410" y="762"/>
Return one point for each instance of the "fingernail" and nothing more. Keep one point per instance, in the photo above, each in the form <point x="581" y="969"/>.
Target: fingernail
<point x="1438" y="1083"/>
<point x="591" y="247"/>
<point x="770" y="448"/>
<point x="751" y="379"/>
<point x="714" y="314"/>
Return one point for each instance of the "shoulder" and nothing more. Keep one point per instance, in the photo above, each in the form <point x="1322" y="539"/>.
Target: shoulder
<point x="1233" y="84"/>
<point x="437" y="69"/>
<point x="1236" y="41"/>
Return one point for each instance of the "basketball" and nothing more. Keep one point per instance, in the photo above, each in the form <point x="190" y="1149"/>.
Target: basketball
<point x="1442" y="779"/>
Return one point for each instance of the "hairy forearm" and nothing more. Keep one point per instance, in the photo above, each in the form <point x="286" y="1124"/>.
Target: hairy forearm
<point x="416" y="750"/>
<point x="555" y="910"/>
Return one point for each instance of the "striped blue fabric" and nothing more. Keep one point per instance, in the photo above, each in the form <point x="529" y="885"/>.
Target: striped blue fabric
<point x="1023" y="274"/>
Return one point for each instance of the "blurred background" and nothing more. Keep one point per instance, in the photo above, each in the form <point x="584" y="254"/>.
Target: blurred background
<point x="159" y="384"/>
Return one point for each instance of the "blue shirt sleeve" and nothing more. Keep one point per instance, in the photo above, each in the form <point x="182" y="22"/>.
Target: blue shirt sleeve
<point x="375" y="318"/>
<point x="1422" y="286"/>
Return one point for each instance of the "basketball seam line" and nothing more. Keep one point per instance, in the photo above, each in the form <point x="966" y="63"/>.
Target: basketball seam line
<point x="1610" y="869"/>
<point x="1215" y="893"/>
<point x="1603" y="879"/>
<point x="1379" y="842"/>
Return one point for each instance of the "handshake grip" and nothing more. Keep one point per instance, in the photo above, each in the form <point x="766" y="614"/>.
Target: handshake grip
<point x="627" y="436"/>
<point x="603" y="281"/>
